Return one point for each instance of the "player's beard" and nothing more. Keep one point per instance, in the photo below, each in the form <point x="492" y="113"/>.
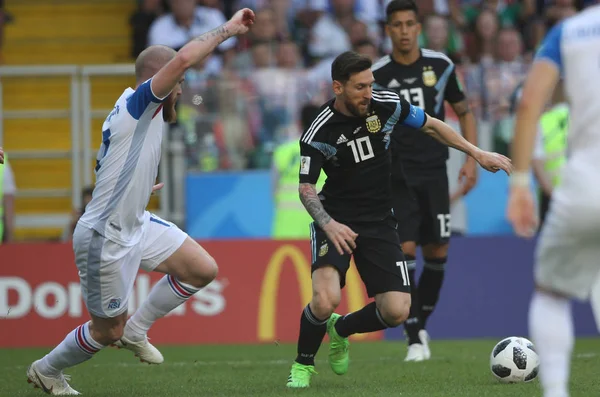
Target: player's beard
<point x="169" y="112"/>
<point x="356" y="111"/>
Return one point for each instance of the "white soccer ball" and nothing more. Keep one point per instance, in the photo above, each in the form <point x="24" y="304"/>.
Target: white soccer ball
<point x="514" y="360"/>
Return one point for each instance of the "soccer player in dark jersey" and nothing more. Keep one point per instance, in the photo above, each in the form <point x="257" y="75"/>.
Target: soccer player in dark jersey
<point x="349" y="139"/>
<point x="426" y="79"/>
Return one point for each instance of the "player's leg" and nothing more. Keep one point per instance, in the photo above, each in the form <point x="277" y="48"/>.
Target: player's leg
<point x="436" y="233"/>
<point x="566" y="267"/>
<point x="107" y="274"/>
<point x="382" y="267"/>
<point x="407" y="212"/>
<point x="188" y="268"/>
<point x="328" y="277"/>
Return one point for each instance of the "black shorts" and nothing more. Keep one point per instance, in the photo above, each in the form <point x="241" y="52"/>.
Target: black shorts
<point x="422" y="209"/>
<point x="378" y="256"/>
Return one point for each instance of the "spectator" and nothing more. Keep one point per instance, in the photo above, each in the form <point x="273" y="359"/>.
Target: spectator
<point x="491" y="85"/>
<point x="86" y="197"/>
<point x="141" y="21"/>
<point x="438" y="36"/>
<point x="8" y="190"/>
<point x="187" y="21"/>
<point x="264" y="34"/>
<point x="329" y="36"/>
<point x="368" y="49"/>
<point x="481" y="49"/>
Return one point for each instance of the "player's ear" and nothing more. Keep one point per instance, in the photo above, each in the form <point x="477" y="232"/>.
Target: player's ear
<point x="338" y="87"/>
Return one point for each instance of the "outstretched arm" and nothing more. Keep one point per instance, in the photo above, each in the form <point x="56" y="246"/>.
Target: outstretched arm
<point x="193" y="52"/>
<point x="449" y="137"/>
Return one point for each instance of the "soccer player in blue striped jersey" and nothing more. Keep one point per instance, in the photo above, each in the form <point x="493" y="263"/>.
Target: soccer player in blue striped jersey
<point x="116" y="235"/>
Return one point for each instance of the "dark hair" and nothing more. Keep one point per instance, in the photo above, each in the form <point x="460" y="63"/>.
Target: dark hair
<point x="400" y="5"/>
<point x="347" y="64"/>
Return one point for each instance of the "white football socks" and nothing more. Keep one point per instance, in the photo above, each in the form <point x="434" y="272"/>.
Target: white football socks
<point x="165" y="296"/>
<point x="551" y="328"/>
<point x="76" y="348"/>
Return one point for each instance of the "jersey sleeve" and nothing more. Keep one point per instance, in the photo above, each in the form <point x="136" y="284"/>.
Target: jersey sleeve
<point x="311" y="163"/>
<point x="409" y="115"/>
<point x="139" y="101"/>
<point x="550" y="48"/>
<point x="454" y="90"/>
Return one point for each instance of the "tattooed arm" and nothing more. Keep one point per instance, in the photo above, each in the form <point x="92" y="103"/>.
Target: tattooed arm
<point x="193" y="52"/>
<point x="312" y="203"/>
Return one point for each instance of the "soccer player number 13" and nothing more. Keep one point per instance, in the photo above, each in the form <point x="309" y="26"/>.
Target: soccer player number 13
<point x="361" y="149"/>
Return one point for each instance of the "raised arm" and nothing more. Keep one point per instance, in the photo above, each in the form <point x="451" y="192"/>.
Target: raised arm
<point x="197" y="49"/>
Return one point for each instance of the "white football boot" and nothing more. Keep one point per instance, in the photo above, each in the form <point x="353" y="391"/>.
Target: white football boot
<point x="419" y="351"/>
<point x="54" y="385"/>
<point x="424" y="337"/>
<point x="144" y="350"/>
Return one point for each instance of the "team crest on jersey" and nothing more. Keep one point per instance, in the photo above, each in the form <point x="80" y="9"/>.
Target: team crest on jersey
<point x="429" y="77"/>
<point x="373" y="124"/>
<point x="324" y="249"/>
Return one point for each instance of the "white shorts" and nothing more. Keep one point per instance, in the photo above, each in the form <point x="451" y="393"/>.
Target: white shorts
<point x="568" y="251"/>
<point x="107" y="270"/>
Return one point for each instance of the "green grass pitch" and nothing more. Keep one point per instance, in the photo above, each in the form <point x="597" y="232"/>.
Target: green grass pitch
<point x="458" y="368"/>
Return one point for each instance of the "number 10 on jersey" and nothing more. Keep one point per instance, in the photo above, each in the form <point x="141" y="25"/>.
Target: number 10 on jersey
<point x="361" y="149"/>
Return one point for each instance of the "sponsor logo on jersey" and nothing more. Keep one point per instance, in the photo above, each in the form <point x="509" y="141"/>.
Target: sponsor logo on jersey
<point x="341" y="139"/>
<point x="373" y="124"/>
<point x="429" y="77"/>
<point x="356" y="130"/>
<point x="394" y="84"/>
<point x="411" y="80"/>
<point x="304" y="165"/>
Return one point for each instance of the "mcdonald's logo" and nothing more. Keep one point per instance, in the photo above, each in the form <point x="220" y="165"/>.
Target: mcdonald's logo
<point x="267" y="307"/>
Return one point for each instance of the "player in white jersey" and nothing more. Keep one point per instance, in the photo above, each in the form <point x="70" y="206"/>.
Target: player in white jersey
<point x="567" y="260"/>
<point x="116" y="235"/>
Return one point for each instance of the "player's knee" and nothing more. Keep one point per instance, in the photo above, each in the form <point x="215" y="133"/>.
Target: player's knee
<point x="193" y="265"/>
<point x="324" y="303"/>
<point x="397" y="312"/>
<point x="409" y="248"/>
<point x="203" y="270"/>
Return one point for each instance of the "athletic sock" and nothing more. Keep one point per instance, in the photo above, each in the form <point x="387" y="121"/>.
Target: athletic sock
<point x="412" y="325"/>
<point x="367" y="319"/>
<point x="77" y="347"/>
<point x="551" y="328"/>
<point x="312" y="332"/>
<point x="165" y="296"/>
<point x="430" y="285"/>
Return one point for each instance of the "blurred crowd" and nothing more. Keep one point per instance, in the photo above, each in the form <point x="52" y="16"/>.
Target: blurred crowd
<point x="247" y="98"/>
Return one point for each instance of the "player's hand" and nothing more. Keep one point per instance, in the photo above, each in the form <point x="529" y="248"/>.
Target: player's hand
<point x="1" y="156"/>
<point x="157" y="187"/>
<point x="494" y="162"/>
<point x="521" y="211"/>
<point x="341" y="236"/>
<point x="467" y="176"/>
<point x="241" y="21"/>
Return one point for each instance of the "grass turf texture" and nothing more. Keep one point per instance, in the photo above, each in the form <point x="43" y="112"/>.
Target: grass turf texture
<point x="458" y="368"/>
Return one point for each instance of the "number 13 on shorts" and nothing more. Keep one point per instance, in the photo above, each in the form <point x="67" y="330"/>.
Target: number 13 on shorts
<point x="445" y="229"/>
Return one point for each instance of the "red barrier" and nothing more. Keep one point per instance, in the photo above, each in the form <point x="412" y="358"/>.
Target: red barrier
<point x="258" y="296"/>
